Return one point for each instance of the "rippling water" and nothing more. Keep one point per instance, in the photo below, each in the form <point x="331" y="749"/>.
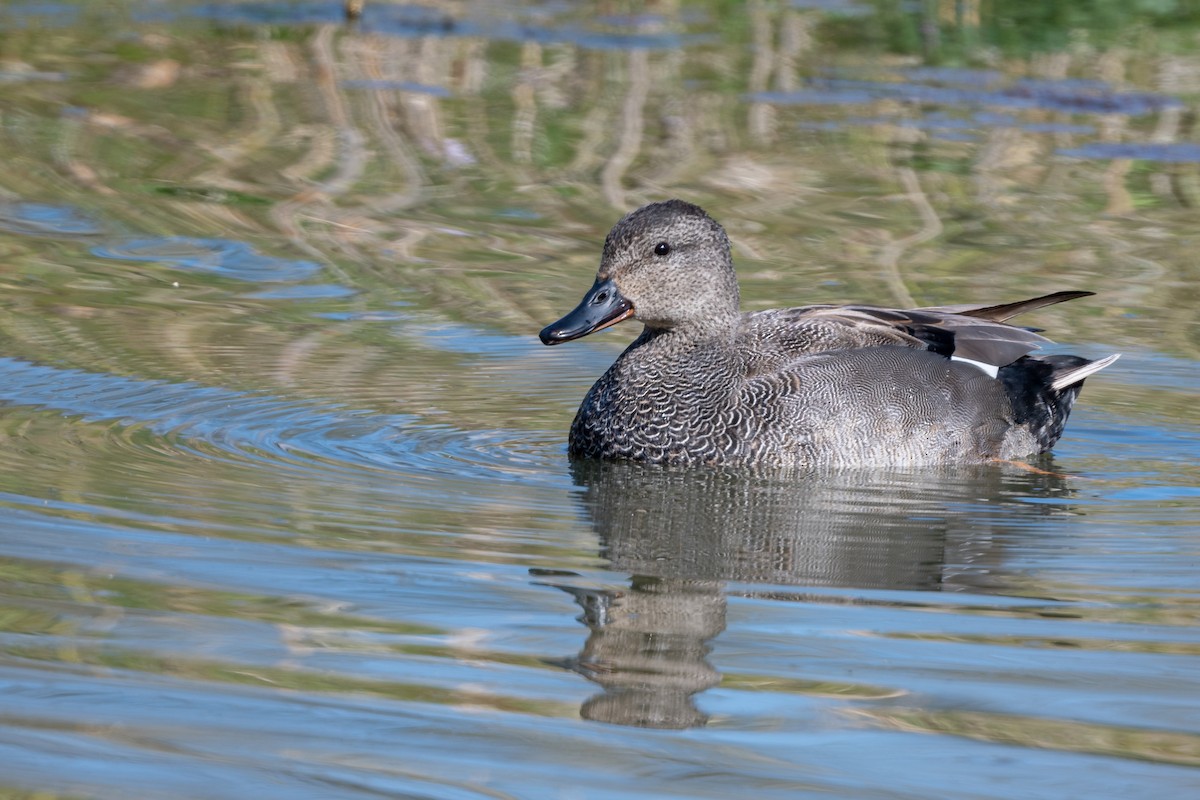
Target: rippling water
<point x="285" y="509"/>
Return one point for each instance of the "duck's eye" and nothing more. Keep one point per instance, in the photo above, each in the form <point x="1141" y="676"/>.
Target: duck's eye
<point x="661" y="249"/>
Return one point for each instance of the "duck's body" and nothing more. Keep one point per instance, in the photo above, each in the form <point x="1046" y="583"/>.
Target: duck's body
<point x="819" y="385"/>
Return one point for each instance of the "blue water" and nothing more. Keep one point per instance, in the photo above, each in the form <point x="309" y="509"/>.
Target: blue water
<point x="285" y="508"/>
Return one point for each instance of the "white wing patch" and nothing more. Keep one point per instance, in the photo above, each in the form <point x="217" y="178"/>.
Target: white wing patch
<point x="990" y="369"/>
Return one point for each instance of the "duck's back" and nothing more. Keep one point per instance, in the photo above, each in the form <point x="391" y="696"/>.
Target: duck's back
<point x="772" y="339"/>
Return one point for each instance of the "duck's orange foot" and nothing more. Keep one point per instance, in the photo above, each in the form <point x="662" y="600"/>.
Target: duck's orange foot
<point x="1035" y="470"/>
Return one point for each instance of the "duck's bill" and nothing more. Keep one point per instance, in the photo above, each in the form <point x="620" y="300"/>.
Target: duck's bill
<point x="602" y="307"/>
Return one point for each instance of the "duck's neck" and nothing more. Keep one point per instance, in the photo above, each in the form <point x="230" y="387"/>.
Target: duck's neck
<point x="685" y="355"/>
<point x="718" y="330"/>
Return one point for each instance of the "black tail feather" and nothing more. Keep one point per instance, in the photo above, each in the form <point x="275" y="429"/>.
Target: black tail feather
<point x="1029" y="382"/>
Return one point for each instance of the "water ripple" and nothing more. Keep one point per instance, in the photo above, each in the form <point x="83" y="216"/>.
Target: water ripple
<point x="320" y="291"/>
<point x="220" y="423"/>
<point x="408" y="21"/>
<point x="1166" y="152"/>
<point x="231" y="259"/>
<point x="380" y="84"/>
<point x="1072" y="97"/>
<point x="45" y="219"/>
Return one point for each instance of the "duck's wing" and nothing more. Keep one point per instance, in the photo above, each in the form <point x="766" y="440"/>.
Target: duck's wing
<point x="975" y="333"/>
<point x="1006" y="311"/>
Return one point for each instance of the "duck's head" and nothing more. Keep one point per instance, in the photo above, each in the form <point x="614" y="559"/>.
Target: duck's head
<point x="667" y="265"/>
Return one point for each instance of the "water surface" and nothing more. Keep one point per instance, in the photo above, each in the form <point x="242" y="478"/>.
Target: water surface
<point x="285" y="509"/>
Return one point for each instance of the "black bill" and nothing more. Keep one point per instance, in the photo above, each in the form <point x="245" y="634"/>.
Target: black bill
<point x="601" y="307"/>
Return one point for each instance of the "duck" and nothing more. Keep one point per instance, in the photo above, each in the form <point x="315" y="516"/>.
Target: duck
<point x="814" y="386"/>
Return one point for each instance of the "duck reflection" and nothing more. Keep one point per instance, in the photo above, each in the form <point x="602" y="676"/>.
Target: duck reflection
<point x="684" y="534"/>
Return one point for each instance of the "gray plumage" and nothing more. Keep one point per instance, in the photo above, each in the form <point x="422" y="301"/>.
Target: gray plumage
<point x="818" y="385"/>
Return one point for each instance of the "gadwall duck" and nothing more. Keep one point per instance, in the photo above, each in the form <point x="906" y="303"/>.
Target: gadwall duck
<point x="819" y="385"/>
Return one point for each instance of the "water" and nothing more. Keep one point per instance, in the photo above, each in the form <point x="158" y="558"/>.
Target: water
<point x="284" y="503"/>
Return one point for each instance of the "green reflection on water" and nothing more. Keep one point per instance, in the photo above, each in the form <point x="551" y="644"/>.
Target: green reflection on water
<point x="12" y="793"/>
<point x="1163" y="747"/>
<point x="28" y="581"/>
<point x="944" y="32"/>
<point x="141" y="661"/>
